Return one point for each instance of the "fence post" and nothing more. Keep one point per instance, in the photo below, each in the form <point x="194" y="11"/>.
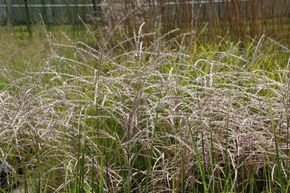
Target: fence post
<point x="9" y="14"/>
<point x="43" y="11"/>
<point x="94" y="8"/>
<point x="28" y="22"/>
<point x="50" y="15"/>
<point x="75" y="11"/>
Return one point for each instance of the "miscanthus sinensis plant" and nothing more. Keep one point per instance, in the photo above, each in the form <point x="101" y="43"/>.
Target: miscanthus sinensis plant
<point x="163" y="115"/>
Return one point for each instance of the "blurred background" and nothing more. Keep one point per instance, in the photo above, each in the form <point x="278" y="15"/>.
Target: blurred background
<point x="239" y="18"/>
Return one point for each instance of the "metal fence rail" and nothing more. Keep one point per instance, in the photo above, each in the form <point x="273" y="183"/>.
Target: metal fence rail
<point x="66" y="11"/>
<point x="52" y="11"/>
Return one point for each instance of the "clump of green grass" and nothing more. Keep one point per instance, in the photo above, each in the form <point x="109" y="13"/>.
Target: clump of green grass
<point x="160" y="116"/>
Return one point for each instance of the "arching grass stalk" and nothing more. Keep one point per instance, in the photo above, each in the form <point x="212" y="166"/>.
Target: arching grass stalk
<point x="267" y="176"/>
<point x="197" y="158"/>
<point x="277" y="158"/>
<point x="227" y="162"/>
<point x="101" y="175"/>
<point x="212" y="161"/>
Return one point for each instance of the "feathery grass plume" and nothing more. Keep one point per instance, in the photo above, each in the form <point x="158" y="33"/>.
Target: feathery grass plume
<point x="167" y="115"/>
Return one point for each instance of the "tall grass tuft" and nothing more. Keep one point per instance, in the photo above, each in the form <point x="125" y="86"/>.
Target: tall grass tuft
<point x="165" y="115"/>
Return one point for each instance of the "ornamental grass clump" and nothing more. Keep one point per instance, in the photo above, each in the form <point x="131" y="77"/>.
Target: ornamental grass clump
<point x="168" y="115"/>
